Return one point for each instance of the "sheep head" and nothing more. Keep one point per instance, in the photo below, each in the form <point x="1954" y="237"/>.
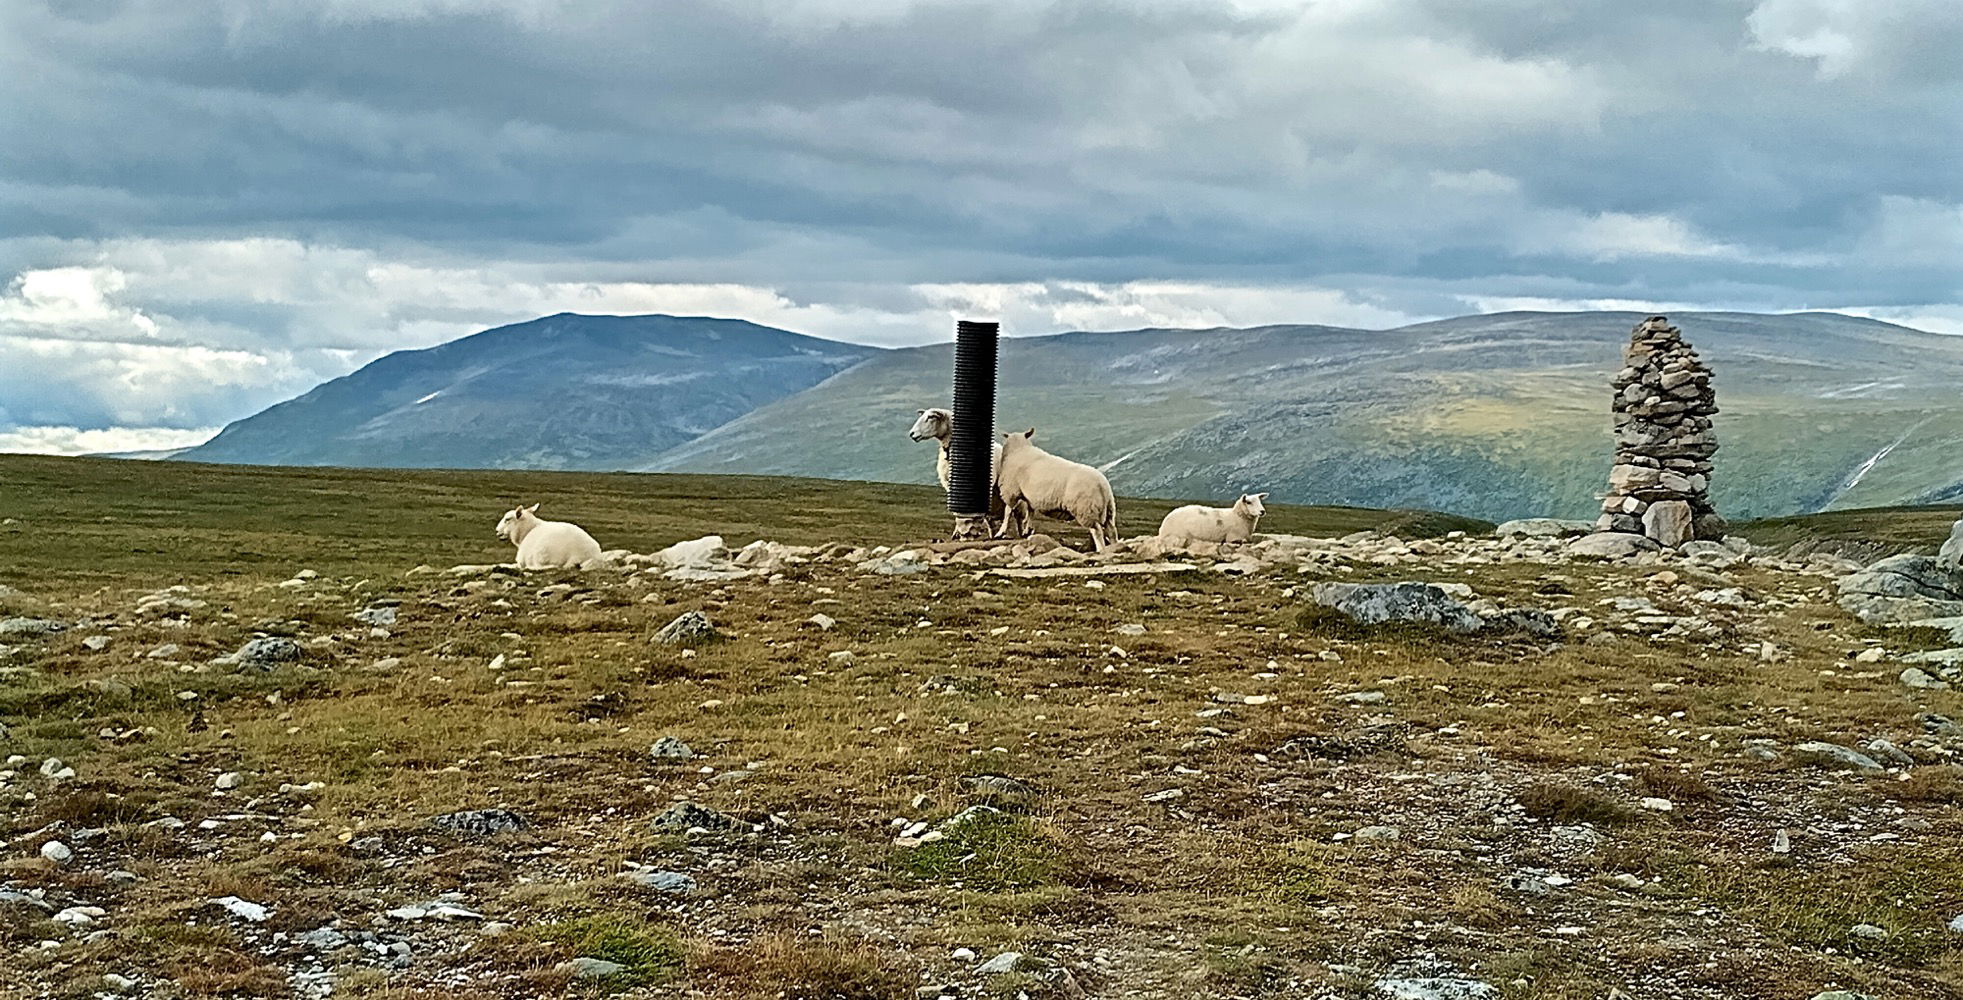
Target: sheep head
<point x="1012" y="442"/>
<point x="1250" y="504"/>
<point x="933" y="423"/>
<point x="512" y="518"/>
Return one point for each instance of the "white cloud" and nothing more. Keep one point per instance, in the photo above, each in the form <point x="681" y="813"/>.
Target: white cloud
<point x="78" y="441"/>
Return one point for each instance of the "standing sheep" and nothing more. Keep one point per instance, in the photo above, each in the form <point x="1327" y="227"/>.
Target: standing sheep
<point x="548" y="544"/>
<point x="1033" y="481"/>
<point x="1197" y="523"/>
<point x="938" y="424"/>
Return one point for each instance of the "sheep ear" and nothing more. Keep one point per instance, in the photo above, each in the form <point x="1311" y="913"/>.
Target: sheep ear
<point x="920" y="413"/>
<point x="533" y="509"/>
<point x="1030" y="433"/>
<point x="1260" y="496"/>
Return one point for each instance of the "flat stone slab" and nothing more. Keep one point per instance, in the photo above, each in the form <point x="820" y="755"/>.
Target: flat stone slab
<point x="1115" y="569"/>
<point x="1036" y="543"/>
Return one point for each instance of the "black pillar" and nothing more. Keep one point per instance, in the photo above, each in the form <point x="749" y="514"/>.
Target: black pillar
<point x="970" y="453"/>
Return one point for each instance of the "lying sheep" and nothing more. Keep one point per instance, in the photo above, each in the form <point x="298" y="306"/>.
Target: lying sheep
<point x="938" y="424"/>
<point x="1197" y="523"/>
<point x="548" y="544"/>
<point x="1033" y="481"/>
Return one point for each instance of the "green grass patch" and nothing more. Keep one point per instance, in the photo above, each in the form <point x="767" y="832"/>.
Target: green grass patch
<point x="648" y="953"/>
<point x="991" y="852"/>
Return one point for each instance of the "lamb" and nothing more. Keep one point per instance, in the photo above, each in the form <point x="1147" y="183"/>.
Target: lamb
<point x="548" y="544"/>
<point x="938" y="424"/>
<point x="1197" y="523"/>
<point x="1033" y="481"/>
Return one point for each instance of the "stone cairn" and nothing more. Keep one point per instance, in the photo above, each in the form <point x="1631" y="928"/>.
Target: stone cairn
<point x="1660" y="486"/>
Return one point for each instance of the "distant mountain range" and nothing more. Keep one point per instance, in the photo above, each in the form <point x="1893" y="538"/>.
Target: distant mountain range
<point x="562" y="392"/>
<point x="1495" y="416"/>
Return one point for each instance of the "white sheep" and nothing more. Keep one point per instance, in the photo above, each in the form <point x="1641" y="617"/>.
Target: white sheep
<point x="938" y="424"/>
<point x="548" y="544"/>
<point x="1033" y="481"/>
<point x="1198" y="523"/>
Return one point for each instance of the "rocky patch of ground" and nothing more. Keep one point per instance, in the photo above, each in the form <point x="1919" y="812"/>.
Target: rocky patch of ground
<point x="985" y="771"/>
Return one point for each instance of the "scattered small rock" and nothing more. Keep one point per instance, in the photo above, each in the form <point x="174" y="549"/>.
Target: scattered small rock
<point x="670" y="748"/>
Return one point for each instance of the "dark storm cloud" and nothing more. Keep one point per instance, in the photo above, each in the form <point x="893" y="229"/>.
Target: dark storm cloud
<point x="1409" y="154"/>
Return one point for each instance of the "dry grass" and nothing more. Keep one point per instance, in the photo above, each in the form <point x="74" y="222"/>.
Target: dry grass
<point x="1235" y="887"/>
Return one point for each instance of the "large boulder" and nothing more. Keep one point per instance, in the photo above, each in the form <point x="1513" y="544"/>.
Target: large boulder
<point x="1904" y="588"/>
<point x="1611" y="545"/>
<point x="1377" y="603"/>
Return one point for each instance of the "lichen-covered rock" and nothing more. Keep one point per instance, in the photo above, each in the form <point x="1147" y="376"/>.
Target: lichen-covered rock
<point x="1833" y="755"/>
<point x="268" y="651"/>
<point x="1544" y="527"/>
<point x="482" y="822"/>
<point x="688" y="629"/>
<point x="1377" y="603"/>
<point x="685" y="816"/>
<point x="29" y="626"/>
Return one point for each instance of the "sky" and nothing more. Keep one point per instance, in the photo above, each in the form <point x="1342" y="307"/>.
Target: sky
<point x="207" y="206"/>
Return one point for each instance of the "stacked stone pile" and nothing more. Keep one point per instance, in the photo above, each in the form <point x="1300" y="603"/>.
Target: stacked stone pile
<point x="1660" y="486"/>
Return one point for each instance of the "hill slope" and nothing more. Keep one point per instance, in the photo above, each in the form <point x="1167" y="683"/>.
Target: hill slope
<point x="1492" y="416"/>
<point x="562" y="392"/>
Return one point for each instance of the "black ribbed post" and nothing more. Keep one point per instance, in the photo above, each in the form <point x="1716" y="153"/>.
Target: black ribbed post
<point x="971" y="452"/>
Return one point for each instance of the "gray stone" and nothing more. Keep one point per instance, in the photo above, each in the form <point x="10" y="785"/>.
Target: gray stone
<point x="1841" y="995"/>
<point x="268" y="651"/>
<point x="1906" y="575"/>
<point x="1834" y="756"/>
<point x="1530" y="621"/>
<point x="689" y="628"/>
<point x="999" y="786"/>
<point x="590" y="968"/>
<point x="1375" y="834"/>
<point x="96" y="643"/>
<point x="29" y="626"/>
<point x="1884" y="750"/>
<point x="1377" y="603"/>
<point x="1938" y="657"/>
<point x="670" y="748"/>
<point x="1435" y="988"/>
<point x="663" y="881"/>
<point x="685" y="816"/>
<point x="323" y="939"/>
<point x="1668" y="523"/>
<point x="378" y="615"/>
<point x="482" y="822"/>
<point x="1916" y="677"/>
<point x="1543" y="527"/>
<point x="1611" y="545"/>
<point x="1000" y="964"/>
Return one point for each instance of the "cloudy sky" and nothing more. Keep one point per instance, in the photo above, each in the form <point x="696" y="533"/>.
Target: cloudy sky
<point x="210" y="205"/>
